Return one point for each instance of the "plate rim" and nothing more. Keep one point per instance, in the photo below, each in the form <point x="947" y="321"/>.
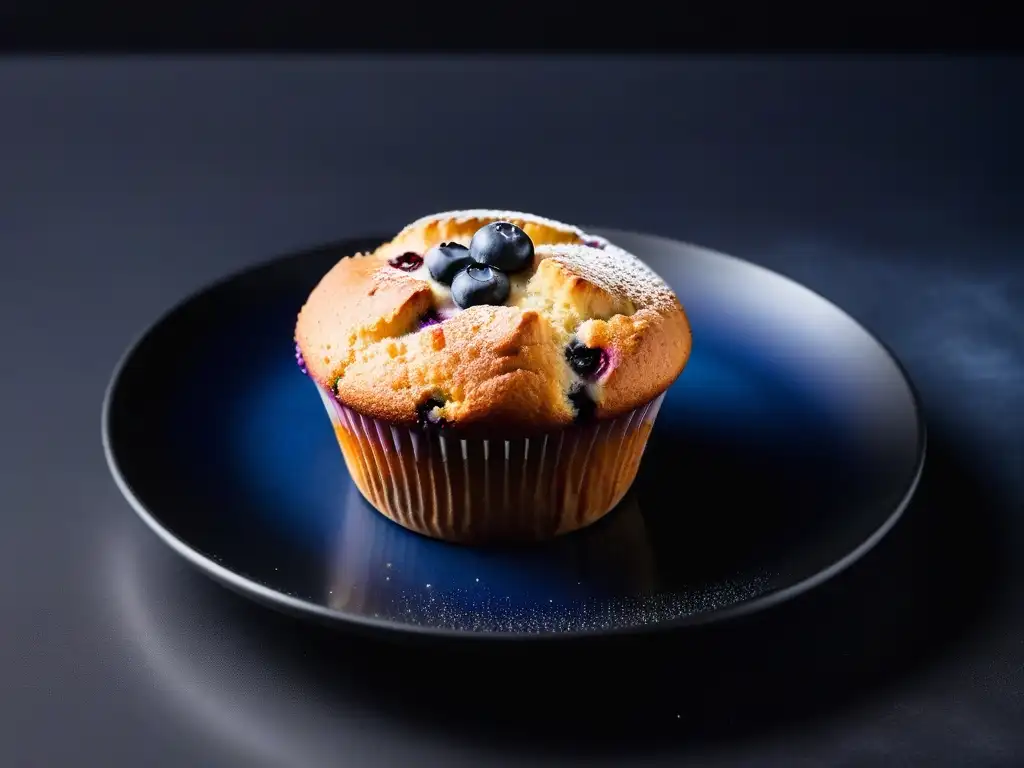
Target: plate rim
<point x="303" y="608"/>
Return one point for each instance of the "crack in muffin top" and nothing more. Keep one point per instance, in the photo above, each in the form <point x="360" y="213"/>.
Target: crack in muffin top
<point x="586" y="330"/>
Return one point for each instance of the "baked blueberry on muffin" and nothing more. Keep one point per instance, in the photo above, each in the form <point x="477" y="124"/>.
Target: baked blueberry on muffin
<point x="492" y="375"/>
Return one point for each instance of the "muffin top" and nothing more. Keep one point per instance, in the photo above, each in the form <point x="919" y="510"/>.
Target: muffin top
<point x="493" y="320"/>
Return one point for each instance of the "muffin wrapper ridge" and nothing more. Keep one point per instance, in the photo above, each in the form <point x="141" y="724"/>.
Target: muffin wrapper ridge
<point x="475" y="490"/>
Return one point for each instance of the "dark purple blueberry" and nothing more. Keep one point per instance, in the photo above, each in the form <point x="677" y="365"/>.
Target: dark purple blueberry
<point x="587" y="362"/>
<point x="480" y="284"/>
<point x="593" y="244"/>
<point x="446" y="260"/>
<point x="409" y="261"/>
<point x="503" y="245"/>
<point x="430" y="318"/>
<point x="300" y="359"/>
<point x="425" y="413"/>
<point x="585" y="407"/>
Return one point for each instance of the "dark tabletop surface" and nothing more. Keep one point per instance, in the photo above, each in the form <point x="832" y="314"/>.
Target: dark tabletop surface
<point x="892" y="187"/>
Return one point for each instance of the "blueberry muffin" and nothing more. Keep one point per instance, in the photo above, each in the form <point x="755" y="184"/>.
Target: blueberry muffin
<point x="492" y="375"/>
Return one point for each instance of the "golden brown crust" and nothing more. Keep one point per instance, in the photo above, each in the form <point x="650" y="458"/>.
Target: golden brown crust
<point x="493" y="367"/>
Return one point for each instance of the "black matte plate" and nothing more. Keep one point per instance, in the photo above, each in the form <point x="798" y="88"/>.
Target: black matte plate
<point x="788" y="447"/>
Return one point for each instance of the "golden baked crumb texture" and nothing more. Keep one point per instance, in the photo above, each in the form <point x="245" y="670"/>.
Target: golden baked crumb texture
<point x="475" y="491"/>
<point x="493" y="368"/>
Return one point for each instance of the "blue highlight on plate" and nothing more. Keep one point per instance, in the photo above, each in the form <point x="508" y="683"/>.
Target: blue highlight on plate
<point x="278" y="449"/>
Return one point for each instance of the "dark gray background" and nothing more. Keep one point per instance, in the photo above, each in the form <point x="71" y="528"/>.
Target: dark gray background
<point x="892" y="187"/>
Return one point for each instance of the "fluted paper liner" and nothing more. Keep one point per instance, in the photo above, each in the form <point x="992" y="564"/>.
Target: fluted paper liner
<point x="474" y="490"/>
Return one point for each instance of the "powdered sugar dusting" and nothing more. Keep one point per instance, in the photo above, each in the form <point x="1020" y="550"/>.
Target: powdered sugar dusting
<point x="460" y="217"/>
<point x="595" y="259"/>
<point x="614" y="270"/>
